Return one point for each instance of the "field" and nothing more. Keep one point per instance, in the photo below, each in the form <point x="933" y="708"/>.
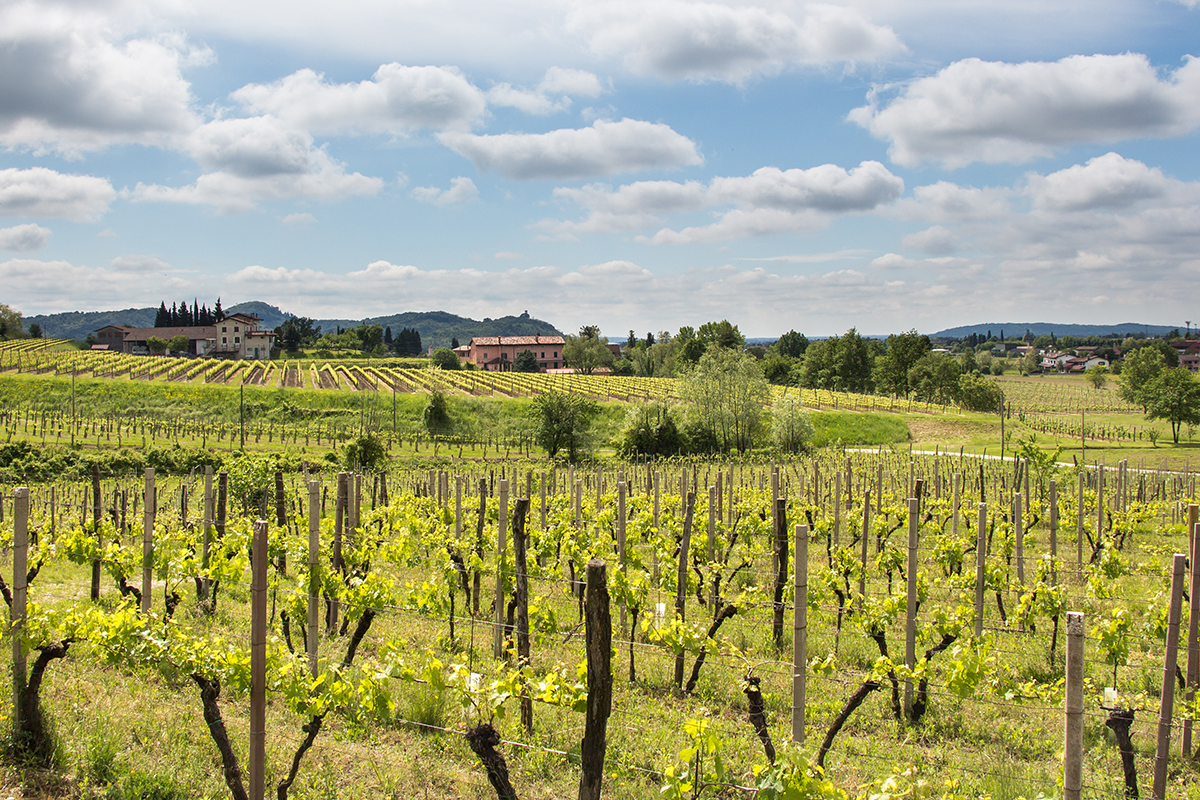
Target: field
<point x="412" y="582"/>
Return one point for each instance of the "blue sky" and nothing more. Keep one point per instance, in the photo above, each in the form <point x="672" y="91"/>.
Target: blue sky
<point x="637" y="165"/>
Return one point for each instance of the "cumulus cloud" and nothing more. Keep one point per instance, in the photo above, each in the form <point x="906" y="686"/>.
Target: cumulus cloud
<point x="604" y="148"/>
<point x="259" y="158"/>
<point x="1107" y="181"/>
<point x="935" y="240"/>
<point x="552" y="95"/>
<point x="946" y="201"/>
<point x="38" y="287"/>
<point x="709" y="41"/>
<point x="299" y="218"/>
<point x="23" y="238"/>
<point x="397" y="99"/>
<point x="140" y="264"/>
<point x="997" y="112"/>
<point x="462" y="190"/>
<point x="69" y="84"/>
<point x="41" y="192"/>
<point x="770" y="200"/>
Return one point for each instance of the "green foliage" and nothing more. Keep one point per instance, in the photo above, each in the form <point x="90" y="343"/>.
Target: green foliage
<point x="1097" y="375"/>
<point x="839" y="363"/>
<point x="12" y="325"/>
<point x="436" y="416"/>
<point x="650" y="430"/>
<point x="977" y="393"/>
<point x="562" y="422"/>
<point x="525" y="361"/>
<point x="726" y="394"/>
<point x="1137" y="370"/>
<point x="156" y="344"/>
<point x="178" y="344"/>
<point x="935" y="378"/>
<point x="586" y="353"/>
<point x="791" y="428"/>
<point x="445" y="358"/>
<point x="251" y="477"/>
<point x="790" y="345"/>
<point x="893" y="371"/>
<point x="1173" y="395"/>
<point x="366" y="453"/>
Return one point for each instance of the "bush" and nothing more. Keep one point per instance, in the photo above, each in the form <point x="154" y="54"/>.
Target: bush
<point x="650" y="430"/>
<point x="791" y="429"/>
<point x="366" y="453"/>
<point x="445" y="358"/>
<point x="977" y="393"/>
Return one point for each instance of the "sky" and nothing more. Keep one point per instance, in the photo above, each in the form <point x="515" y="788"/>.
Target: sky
<point x="633" y="165"/>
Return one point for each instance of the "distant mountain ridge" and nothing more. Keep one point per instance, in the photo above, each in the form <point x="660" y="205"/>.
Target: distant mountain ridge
<point x="437" y="328"/>
<point x="1017" y="329"/>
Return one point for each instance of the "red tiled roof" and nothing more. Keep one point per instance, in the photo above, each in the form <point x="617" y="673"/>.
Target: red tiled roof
<point x="515" y="341"/>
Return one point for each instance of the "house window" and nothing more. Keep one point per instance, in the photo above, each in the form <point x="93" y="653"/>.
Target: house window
<point x="235" y="328"/>
<point x="224" y="340"/>
<point x="556" y="354"/>
<point x="543" y="354"/>
<point x="237" y="339"/>
<point x="224" y="329"/>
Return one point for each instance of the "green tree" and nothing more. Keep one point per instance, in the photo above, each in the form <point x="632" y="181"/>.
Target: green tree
<point x="156" y="344"/>
<point x="934" y="378"/>
<point x="1174" y="395"/>
<point x="650" y="430"/>
<point x="791" y="345"/>
<point x="723" y="334"/>
<point x="366" y="453"/>
<point x="904" y="350"/>
<point x="179" y="344"/>
<point x="445" y="358"/>
<point x="436" y="415"/>
<point x="562" y="422"/>
<point x="12" y="325"/>
<point x="35" y="331"/>
<point x="1137" y="370"/>
<point x="839" y="363"/>
<point x="1030" y="363"/>
<point x="977" y="393"/>
<point x="791" y="428"/>
<point x="726" y="395"/>
<point x="525" y="361"/>
<point x="777" y="368"/>
<point x="1097" y="375"/>
<point x="586" y="353"/>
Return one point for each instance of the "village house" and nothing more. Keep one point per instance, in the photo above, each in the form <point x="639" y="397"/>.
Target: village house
<point x="498" y="353"/>
<point x="237" y="336"/>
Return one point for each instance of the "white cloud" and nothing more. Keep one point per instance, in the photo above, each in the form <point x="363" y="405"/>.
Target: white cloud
<point x="1107" y="181"/>
<point x="997" y="112"/>
<point x="553" y="94"/>
<point x="709" y="41"/>
<point x="935" y="240"/>
<point x="398" y="99"/>
<point x="23" y="238"/>
<point x="504" y="255"/>
<point x="70" y="83"/>
<point x="140" y="264"/>
<point x="946" y="201"/>
<point x="41" y="192"/>
<point x="259" y="158"/>
<point x="770" y="200"/>
<point x="462" y="190"/>
<point x="37" y="287"/>
<point x="605" y="148"/>
<point x="299" y="218"/>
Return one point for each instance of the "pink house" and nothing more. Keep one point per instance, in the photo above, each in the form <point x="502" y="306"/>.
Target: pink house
<point x="497" y="353"/>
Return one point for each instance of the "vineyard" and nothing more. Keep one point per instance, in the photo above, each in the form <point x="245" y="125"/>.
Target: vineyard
<point x="521" y="629"/>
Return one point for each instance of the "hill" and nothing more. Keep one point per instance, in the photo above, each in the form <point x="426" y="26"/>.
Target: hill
<point x="1015" y="329"/>
<point x="437" y="328"/>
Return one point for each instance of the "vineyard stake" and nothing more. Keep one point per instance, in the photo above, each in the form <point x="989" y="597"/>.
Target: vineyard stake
<point x="980" y="563"/>
<point x="1162" y="749"/>
<point x="781" y="563"/>
<point x="501" y="543"/>
<point x="654" y="550"/>
<point x="682" y="580"/>
<point x="97" y="512"/>
<point x="1053" y="532"/>
<point x="1019" y="535"/>
<point x="866" y="531"/>
<point x="258" y="663"/>
<point x="910" y="630"/>
<point x="621" y="548"/>
<point x="149" y="506"/>
<point x="837" y="508"/>
<point x="206" y="544"/>
<point x="20" y="557"/>
<point x="800" y="635"/>
<point x="599" y="681"/>
<point x="521" y="595"/>
<point x="957" y="503"/>
<point x="1193" y="663"/>
<point x="1099" y="504"/>
<point x="1073" y="728"/>
<point x="712" y="539"/>
<point x="1079" y="526"/>
<point x="314" y="578"/>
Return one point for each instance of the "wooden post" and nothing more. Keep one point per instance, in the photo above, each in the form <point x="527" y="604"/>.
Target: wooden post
<point x="1019" y="536"/>
<point x="1073" y="729"/>
<point x="957" y="504"/>
<point x="910" y="631"/>
<point x="1193" y="648"/>
<point x="866" y="538"/>
<point x="258" y="663"/>
<point x="781" y="568"/>
<point x="599" y="680"/>
<point x="1162" y="749"/>
<point x="621" y="487"/>
<point x="339" y="525"/>
<point x="17" y="613"/>
<point x="837" y="508"/>
<point x="97" y="514"/>
<point x="980" y="564"/>
<point x="501" y="544"/>
<point x="458" y="506"/>
<point x="521" y="594"/>
<point x="800" y="635"/>
<point x="281" y="518"/>
<point x="1079" y="527"/>
<point x="712" y="540"/>
<point x="1053" y="532"/>
<point x="682" y="575"/>
<point x="149" y="505"/>
<point x="654" y="550"/>
<point x="314" y="577"/>
<point x="1099" y="503"/>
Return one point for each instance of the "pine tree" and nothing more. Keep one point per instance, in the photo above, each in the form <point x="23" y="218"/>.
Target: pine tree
<point x="163" y="318"/>
<point x="387" y="337"/>
<point x="218" y="314"/>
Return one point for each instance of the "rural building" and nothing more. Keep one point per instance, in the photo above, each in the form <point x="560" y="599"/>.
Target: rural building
<point x="236" y="336"/>
<point x="497" y="353"/>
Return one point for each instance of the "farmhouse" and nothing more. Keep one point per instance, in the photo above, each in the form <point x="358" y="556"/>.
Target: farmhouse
<point x="236" y="336"/>
<point x="497" y="353"/>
